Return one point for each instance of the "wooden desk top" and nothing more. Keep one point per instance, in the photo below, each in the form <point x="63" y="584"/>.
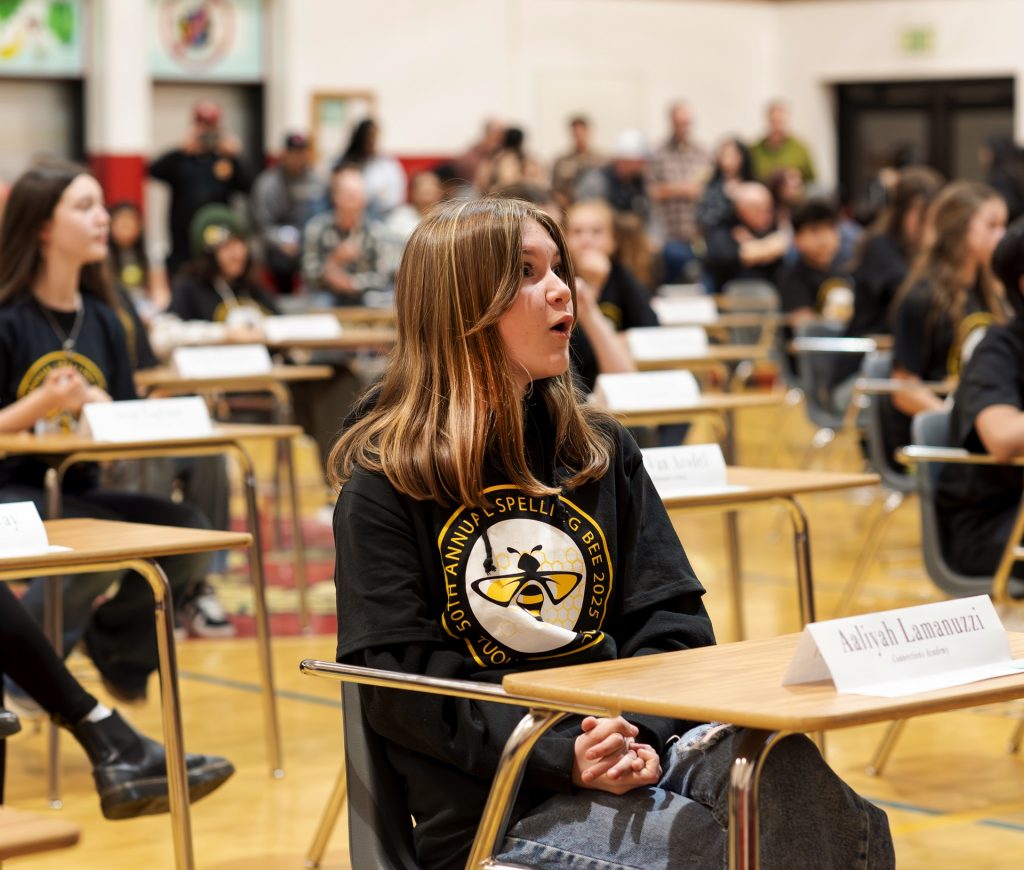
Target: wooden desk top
<point x="107" y="541"/>
<point x="742" y="683"/>
<point x="764" y="484"/>
<point x="166" y="378"/>
<point x="716" y="355"/>
<point x="25" y="833"/>
<point x="708" y="403"/>
<point x="27" y="443"/>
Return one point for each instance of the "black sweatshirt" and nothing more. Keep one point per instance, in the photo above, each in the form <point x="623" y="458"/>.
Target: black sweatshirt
<point x="596" y="574"/>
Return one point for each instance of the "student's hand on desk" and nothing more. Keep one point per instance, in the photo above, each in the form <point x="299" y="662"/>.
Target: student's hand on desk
<point x="608" y="758"/>
<point x="66" y="389"/>
<point x="95" y="394"/>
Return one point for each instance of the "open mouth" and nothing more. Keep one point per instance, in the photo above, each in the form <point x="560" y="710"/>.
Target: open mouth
<point x="563" y="326"/>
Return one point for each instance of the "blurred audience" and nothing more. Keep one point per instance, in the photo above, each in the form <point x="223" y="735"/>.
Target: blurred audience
<point x="622" y="183"/>
<point x="751" y="246"/>
<point x="383" y="177"/>
<point x="143" y="281"/>
<point x="569" y="168"/>
<point x="779" y="149"/>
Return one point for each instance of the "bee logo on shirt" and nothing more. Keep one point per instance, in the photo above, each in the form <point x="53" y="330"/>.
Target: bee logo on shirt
<point x="529" y="587"/>
<point x="971" y="331"/>
<point x="59" y="420"/>
<point x="527" y="578"/>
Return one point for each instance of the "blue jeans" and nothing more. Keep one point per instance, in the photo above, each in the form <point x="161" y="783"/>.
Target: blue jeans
<point x="809" y="818"/>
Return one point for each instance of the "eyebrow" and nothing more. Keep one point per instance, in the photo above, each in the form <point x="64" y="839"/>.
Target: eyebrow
<point x="537" y="252"/>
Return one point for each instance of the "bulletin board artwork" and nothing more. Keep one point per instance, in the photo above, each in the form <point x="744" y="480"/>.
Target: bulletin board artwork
<point x="335" y="115"/>
<point x="215" y="40"/>
<point x="41" y="38"/>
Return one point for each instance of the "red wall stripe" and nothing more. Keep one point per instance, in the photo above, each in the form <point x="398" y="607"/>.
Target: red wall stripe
<point x="122" y="176"/>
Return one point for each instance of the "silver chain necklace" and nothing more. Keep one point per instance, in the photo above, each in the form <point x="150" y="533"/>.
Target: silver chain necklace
<point x="66" y="339"/>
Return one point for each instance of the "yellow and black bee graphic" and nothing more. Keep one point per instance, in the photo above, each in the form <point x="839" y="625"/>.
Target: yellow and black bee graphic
<point x="529" y="586"/>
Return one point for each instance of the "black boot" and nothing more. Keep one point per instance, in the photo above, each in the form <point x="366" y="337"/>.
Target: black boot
<point x="130" y="770"/>
<point x="9" y="723"/>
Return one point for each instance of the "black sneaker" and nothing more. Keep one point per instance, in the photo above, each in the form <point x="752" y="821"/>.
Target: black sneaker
<point x="202" y="614"/>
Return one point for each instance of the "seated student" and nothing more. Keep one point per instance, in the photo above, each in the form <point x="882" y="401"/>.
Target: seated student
<point x="750" y="246"/>
<point x="590" y="234"/>
<point x="948" y="297"/>
<point x="812" y="286"/>
<point x="62" y="345"/>
<point x="978" y="503"/>
<point x="143" y="281"/>
<point x="129" y="769"/>
<point x="345" y="252"/>
<point x="219" y="284"/>
<point x="888" y="248"/>
<point x="434" y="578"/>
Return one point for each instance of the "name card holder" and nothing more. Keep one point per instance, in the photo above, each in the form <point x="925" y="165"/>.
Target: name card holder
<point x="685" y="310"/>
<point x="22" y="532"/>
<point x="225" y="361"/>
<point x="692" y="469"/>
<point x="667" y="342"/>
<point x="647" y="391"/>
<point x="146" y="420"/>
<point x="301" y="327"/>
<point x="902" y="652"/>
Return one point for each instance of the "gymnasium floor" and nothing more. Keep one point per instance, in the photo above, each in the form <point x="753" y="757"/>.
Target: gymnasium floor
<point x="954" y="796"/>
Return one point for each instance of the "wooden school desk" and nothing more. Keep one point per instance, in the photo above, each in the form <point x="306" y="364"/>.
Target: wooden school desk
<point x="61" y="451"/>
<point x="779" y="486"/>
<point x="741" y="683"/>
<point x="370" y="339"/>
<point x="103" y="545"/>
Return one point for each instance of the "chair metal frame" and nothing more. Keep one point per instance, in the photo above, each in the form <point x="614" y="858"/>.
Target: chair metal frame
<point x="948" y="580"/>
<point x="539" y="718"/>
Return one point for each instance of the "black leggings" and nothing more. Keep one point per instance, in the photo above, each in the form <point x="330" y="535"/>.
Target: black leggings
<point x="27" y="657"/>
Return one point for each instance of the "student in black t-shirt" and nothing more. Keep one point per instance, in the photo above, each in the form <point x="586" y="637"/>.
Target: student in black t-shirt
<point x="491" y="523"/>
<point x="62" y="345"/>
<point x="949" y="295"/>
<point x="619" y="296"/>
<point x="888" y="249"/>
<point x="978" y="503"/>
<point x="812" y="286"/>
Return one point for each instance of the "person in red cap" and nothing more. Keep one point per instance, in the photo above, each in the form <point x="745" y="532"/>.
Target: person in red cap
<point x="206" y="168"/>
<point x="284" y="197"/>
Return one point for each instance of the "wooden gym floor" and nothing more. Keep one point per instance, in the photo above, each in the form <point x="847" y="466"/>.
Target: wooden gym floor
<point x="954" y="796"/>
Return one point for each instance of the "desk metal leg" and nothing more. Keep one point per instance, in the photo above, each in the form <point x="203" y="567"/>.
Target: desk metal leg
<point x="744" y="779"/>
<point x="327" y="822"/>
<point x="491" y="833"/>
<point x="802" y="553"/>
<point x="258" y="576"/>
<point x="885" y="747"/>
<point x="732" y="539"/>
<point x="170" y="705"/>
<point x="298" y="544"/>
<point x="53" y="625"/>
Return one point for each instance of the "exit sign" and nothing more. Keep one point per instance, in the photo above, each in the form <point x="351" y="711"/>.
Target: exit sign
<point x="918" y="40"/>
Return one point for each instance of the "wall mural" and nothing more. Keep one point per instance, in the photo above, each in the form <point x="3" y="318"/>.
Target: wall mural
<point x="218" y="40"/>
<point x="41" y="37"/>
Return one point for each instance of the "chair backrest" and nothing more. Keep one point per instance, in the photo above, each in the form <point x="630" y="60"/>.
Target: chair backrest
<point x="764" y="299"/>
<point x="878" y="366"/>
<point x="814" y="375"/>
<point x="379" y="823"/>
<point x="931" y="429"/>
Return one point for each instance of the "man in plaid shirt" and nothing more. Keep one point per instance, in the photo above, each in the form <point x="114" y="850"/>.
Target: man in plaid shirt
<point x="675" y="181"/>
<point x="345" y="252"/>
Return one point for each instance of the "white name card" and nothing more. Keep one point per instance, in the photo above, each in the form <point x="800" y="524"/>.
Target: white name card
<point x="901" y="652"/>
<point x="300" y="327"/>
<point x="22" y="532"/>
<point x="692" y="469"/>
<point x="647" y="391"/>
<point x="225" y="361"/>
<point x="685" y="310"/>
<point x="147" y="419"/>
<point x="681" y="290"/>
<point x="667" y="342"/>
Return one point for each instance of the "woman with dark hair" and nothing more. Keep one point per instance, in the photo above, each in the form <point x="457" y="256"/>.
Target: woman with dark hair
<point x="950" y="296"/>
<point x="733" y="166"/>
<point x="474" y="464"/>
<point x="384" y="176"/>
<point x="144" y="282"/>
<point x="62" y="345"/>
<point x="889" y="247"/>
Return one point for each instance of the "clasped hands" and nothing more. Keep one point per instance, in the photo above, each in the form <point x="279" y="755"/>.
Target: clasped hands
<point x="607" y="757"/>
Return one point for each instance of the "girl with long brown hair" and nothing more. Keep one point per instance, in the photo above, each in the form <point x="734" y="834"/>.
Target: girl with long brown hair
<point x="62" y="345"/>
<point x="489" y="522"/>
<point x="950" y="293"/>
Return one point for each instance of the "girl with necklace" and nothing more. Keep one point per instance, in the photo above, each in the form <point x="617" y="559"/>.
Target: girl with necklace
<point x="62" y="345"/>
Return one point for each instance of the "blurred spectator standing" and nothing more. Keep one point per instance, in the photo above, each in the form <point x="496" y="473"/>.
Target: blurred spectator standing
<point x="468" y="164"/>
<point x="622" y="183"/>
<point x="779" y="149"/>
<point x="570" y="166"/>
<point x="284" y="198"/>
<point x="384" y="176"/>
<point x="425" y="191"/>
